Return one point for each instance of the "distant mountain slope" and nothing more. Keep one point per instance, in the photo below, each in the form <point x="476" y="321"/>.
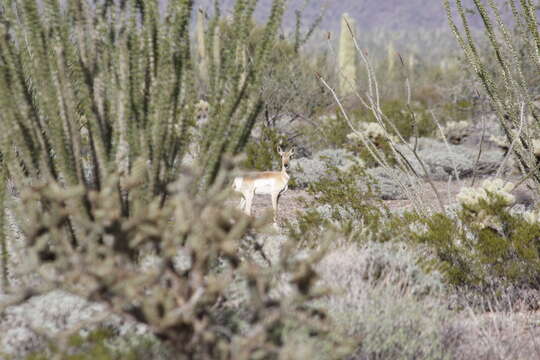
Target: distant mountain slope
<point x="370" y="14"/>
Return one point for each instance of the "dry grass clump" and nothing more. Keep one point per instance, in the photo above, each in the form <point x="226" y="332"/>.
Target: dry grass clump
<point x="386" y="301"/>
<point x="498" y="335"/>
<point x="395" y="307"/>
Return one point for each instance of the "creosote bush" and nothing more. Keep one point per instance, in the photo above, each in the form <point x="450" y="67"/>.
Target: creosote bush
<point x="291" y="97"/>
<point x="330" y="131"/>
<point x="261" y="153"/>
<point x="485" y="244"/>
<point x="409" y="119"/>
<point x="345" y="207"/>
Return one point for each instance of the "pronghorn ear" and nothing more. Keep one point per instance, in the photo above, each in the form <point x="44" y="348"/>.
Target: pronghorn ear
<point x="279" y="150"/>
<point x="291" y="152"/>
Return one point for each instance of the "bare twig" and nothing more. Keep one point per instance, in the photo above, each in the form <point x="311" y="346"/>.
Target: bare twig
<point x="479" y="150"/>
<point x="526" y="177"/>
<point x="456" y="174"/>
<point x="372" y="103"/>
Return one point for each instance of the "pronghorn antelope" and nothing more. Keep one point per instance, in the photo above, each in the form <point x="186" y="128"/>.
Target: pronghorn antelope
<point x="273" y="183"/>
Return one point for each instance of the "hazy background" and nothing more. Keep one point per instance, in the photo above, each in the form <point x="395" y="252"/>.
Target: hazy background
<point x="395" y="15"/>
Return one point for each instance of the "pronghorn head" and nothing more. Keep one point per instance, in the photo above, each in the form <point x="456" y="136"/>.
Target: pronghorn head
<point x="285" y="157"/>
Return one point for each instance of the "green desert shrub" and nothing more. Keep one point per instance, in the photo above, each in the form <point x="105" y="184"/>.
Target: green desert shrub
<point x="380" y="139"/>
<point x="327" y="130"/>
<point x="290" y="94"/>
<point x="485" y="243"/>
<point x="399" y="120"/>
<point x="409" y="120"/>
<point x="343" y="203"/>
<point x="261" y="153"/>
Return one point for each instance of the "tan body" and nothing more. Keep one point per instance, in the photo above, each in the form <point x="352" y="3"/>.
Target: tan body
<point x="273" y="183"/>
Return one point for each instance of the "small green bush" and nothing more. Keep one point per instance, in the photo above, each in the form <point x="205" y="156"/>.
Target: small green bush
<point x="100" y="344"/>
<point x="484" y="244"/>
<point x="404" y="117"/>
<point x="329" y="131"/>
<point x="261" y="153"/>
<point x="382" y="144"/>
<point x="342" y="205"/>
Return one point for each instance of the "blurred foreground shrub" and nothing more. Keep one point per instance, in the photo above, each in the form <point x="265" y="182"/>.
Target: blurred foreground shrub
<point x="98" y="101"/>
<point x="101" y="344"/>
<point x="182" y="296"/>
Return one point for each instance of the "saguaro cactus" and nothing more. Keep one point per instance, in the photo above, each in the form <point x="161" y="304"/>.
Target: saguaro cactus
<point x="202" y="58"/>
<point x="391" y="57"/>
<point x="347" y="58"/>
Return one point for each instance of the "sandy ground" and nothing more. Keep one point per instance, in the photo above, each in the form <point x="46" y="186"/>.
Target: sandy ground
<point x="294" y="201"/>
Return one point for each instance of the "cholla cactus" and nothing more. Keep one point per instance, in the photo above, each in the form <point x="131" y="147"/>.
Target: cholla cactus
<point x="532" y="217"/>
<point x="493" y="193"/>
<point x="347" y="57"/>
<point x="500" y="141"/>
<point x="455" y="131"/>
<point x="182" y="299"/>
<point x="490" y="191"/>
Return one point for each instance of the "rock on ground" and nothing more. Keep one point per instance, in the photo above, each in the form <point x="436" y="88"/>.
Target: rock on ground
<point x="25" y="328"/>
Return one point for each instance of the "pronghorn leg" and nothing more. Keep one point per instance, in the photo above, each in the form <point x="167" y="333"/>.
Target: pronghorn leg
<point x="242" y="202"/>
<point x="275" y="200"/>
<point x="249" y="200"/>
